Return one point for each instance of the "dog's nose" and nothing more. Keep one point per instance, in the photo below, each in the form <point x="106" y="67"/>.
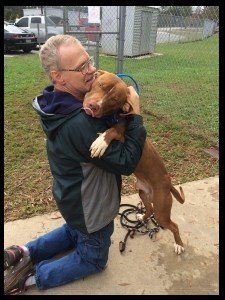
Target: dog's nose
<point x="93" y="106"/>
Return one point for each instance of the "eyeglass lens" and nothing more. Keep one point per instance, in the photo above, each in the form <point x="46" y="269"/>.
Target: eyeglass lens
<point x="86" y="66"/>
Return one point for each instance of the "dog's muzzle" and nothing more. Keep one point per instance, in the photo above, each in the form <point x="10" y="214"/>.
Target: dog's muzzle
<point x="88" y="111"/>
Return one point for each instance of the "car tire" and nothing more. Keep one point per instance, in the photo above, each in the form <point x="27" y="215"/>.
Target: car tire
<point x="6" y="50"/>
<point x="26" y="50"/>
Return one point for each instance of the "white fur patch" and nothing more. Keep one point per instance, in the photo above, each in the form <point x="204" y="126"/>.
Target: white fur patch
<point x="99" y="146"/>
<point x="178" y="249"/>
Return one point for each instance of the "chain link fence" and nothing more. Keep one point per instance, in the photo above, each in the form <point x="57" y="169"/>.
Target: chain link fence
<point x="154" y="27"/>
<point x="184" y="28"/>
<point x="174" y="59"/>
<point x="171" y="53"/>
<point x="95" y="37"/>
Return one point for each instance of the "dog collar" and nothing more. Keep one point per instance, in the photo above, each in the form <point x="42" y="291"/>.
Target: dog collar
<point x="136" y="85"/>
<point x="112" y="119"/>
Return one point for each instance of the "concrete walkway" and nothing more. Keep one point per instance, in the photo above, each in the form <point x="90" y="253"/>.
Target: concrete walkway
<point x="147" y="267"/>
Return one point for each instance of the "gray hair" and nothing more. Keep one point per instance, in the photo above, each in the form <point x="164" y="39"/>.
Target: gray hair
<point x="49" y="54"/>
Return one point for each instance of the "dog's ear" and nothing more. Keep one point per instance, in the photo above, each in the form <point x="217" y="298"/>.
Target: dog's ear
<point x="127" y="106"/>
<point x="128" y="92"/>
<point x="99" y="73"/>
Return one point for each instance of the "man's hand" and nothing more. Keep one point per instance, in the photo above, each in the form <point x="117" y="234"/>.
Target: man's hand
<point x="132" y="106"/>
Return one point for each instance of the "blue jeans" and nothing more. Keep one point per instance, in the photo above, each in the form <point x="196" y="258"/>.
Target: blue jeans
<point x="89" y="256"/>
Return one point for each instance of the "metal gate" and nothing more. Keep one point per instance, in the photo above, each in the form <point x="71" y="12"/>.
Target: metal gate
<point x="74" y="21"/>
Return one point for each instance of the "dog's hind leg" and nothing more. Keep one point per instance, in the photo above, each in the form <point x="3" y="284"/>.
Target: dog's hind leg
<point x="162" y="215"/>
<point x="178" y="246"/>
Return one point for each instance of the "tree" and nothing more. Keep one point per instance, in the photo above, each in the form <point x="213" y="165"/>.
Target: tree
<point x="178" y="10"/>
<point x="12" y="12"/>
<point x="163" y="8"/>
<point x="199" y="10"/>
<point x="211" y="12"/>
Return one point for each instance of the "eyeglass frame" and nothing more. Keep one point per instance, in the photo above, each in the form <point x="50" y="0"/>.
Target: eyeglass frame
<point x="80" y="69"/>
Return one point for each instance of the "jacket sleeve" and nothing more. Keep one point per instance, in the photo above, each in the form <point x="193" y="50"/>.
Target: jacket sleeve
<point x="120" y="158"/>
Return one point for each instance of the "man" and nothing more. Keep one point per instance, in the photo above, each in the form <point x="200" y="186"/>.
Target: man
<point x="86" y="190"/>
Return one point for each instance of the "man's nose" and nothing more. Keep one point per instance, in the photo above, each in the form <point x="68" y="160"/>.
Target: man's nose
<point x="91" y="69"/>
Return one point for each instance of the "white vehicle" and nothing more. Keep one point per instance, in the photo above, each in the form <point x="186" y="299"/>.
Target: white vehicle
<point x="31" y="24"/>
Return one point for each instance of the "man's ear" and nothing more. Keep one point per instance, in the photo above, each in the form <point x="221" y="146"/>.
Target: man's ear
<point x="57" y="77"/>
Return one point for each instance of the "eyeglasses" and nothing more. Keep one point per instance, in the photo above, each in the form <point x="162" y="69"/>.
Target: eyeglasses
<point x="84" y="68"/>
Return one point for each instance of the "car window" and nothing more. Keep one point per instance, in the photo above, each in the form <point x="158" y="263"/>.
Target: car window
<point x="56" y="20"/>
<point x="49" y="22"/>
<point x="35" y="20"/>
<point x="13" y="29"/>
<point x="23" y="22"/>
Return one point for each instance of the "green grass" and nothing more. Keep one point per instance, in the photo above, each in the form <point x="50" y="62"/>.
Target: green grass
<point x="179" y="96"/>
<point x="181" y="84"/>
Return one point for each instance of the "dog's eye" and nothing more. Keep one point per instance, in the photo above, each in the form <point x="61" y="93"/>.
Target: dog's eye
<point x="114" y="99"/>
<point x="100" y="84"/>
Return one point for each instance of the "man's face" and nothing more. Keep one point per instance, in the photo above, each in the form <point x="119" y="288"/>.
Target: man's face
<point x="73" y="57"/>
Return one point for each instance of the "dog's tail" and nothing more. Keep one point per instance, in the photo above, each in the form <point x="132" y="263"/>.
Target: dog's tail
<point x="179" y="196"/>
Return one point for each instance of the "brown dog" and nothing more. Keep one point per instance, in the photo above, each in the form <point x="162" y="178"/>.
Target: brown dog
<point x="109" y="94"/>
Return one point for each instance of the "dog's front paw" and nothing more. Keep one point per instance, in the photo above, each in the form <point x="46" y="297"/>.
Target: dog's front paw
<point x="178" y="248"/>
<point x="99" y="146"/>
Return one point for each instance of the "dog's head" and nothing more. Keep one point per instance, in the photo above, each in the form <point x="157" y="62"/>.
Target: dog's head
<point x="107" y="95"/>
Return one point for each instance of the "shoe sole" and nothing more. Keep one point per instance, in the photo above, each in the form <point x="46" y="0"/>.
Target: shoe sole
<point x="15" y="277"/>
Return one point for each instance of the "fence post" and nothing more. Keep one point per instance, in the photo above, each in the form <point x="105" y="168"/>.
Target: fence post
<point x="38" y="30"/>
<point x="46" y="27"/>
<point x="171" y="16"/>
<point x="65" y="20"/>
<point x="97" y="47"/>
<point x="121" y="39"/>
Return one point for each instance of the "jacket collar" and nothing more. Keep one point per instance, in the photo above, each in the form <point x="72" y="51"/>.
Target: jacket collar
<point x="57" y="102"/>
